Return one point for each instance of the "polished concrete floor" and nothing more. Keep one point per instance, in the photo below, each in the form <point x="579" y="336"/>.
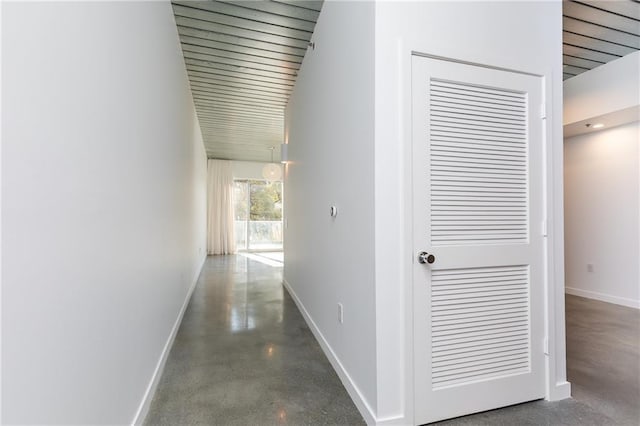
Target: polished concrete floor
<point x="244" y="356"/>
<point x="603" y="357"/>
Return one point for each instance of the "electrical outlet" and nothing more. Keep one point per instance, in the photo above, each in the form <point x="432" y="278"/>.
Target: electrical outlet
<point x="340" y="313"/>
<point x="589" y="267"/>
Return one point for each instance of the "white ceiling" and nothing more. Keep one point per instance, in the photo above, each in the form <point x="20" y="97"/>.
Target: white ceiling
<point x="242" y="58"/>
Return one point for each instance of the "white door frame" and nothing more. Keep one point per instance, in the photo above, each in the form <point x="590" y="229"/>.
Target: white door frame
<point x="557" y="386"/>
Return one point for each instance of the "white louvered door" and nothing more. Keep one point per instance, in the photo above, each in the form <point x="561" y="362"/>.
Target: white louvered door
<point x="478" y="209"/>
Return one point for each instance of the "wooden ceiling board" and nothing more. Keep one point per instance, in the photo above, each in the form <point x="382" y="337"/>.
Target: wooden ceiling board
<point x="210" y="121"/>
<point x="208" y="125"/>
<point x="231" y="147"/>
<point x="242" y="59"/>
<point x="214" y="94"/>
<point x="241" y="72"/>
<point x="252" y="154"/>
<point x="580" y="62"/>
<point x="207" y="81"/>
<point x="196" y="10"/>
<point x="595" y="44"/>
<point x="248" y="156"/>
<point x="228" y="153"/>
<point x="204" y="103"/>
<point x="241" y="141"/>
<point x="218" y="135"/>
<point x="584" y="53"/>
<point x="231" y="109"/>
<point x="243" y="130"/>
<point x="223" y="134"/>
<point x="573" y="70"/>
<point x="236" y="123"/>
<point x="629" y="9"/>
<point x="237" y="101"/>
<point x="213" y="75"/>
<point x="308" y="4"/>
<point x="232" y="106"/>
<point x="258" y="91"/>
<point x="597" y="15"/>
<point x="243" y="86"/>
<point x="250" y="104"/>
<point x="241" y="41"/>
<point x="234" y="11"/>
<point x="244" y="50"/>
<point x="282" y="9"/>
<point x="239" y="115"/>
<point x="242" y="65"/>
<point x="601" y="33"/>
<point x="240" y="33"/>
<point x="247" y="120"/>
<point x="596" y="32"/>
<point x="258" y="79"/>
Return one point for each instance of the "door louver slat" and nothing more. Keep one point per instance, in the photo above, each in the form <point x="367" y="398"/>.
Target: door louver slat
<point x="480" y="324"/>
<point x="478" y="164"/>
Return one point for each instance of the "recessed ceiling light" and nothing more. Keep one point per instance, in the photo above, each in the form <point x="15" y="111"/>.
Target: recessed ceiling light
<point x="598" y="125"/>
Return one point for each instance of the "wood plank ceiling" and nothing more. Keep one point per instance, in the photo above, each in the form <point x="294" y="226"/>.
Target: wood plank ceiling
<point x="242" y="58"/>
<point x="596" y="32"/>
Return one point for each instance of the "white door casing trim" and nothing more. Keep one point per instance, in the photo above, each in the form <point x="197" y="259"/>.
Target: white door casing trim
<point x="557" y="386"/>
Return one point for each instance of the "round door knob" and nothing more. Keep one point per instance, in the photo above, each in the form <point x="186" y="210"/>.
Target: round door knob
<point x="424" y="257"/>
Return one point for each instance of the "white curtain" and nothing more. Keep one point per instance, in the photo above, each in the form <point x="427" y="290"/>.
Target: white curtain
<point x="220" y="232"/>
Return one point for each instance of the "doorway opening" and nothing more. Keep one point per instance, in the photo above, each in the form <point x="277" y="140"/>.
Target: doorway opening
<point x="258" y="215"/>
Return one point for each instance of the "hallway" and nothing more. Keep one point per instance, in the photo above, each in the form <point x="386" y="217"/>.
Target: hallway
<point x="244" y="356"/>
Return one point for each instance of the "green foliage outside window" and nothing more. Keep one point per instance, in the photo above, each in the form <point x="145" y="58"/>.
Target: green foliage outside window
<point x="265" y="200"/>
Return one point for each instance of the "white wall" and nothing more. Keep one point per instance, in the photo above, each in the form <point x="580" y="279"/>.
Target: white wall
<point x="610" y="87"/>
<point x="602" y="182"/>
<point x="499" y="34"/>
<point x="103" y="206"/>
<point x="347" y="154"/>
<point x="329" y="126"/>
<point x="248" y="169"/>
<point x="602" y="216"/>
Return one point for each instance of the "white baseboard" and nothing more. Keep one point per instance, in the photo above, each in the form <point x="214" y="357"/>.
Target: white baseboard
<point x="350" y="386"/>
<point x="393" y="421"/>
<point x="631" y="303"/>
<point x="560" y="391"/>
<point x="143" y="409"/>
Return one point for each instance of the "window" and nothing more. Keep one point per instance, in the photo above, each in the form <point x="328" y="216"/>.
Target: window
<point x="258" y="215"/>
